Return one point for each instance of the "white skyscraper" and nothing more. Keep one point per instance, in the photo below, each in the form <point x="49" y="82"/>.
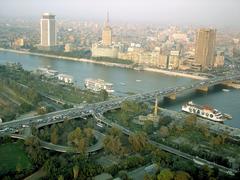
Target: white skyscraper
<point x="48" y="30"/>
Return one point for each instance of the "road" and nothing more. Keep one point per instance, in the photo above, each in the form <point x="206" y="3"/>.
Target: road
<point x="81" y="111"/>
<point x="171" y="150"/>
<point x="59" y="148"/>
<point x="98" y="108"/>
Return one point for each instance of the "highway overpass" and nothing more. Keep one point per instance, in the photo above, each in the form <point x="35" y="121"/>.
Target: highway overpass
<point x="60" y="148"/>
<point x="82" y="111"/>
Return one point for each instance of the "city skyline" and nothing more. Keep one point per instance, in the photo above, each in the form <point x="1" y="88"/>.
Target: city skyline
<point x="179" y="12"/>
<point x="103" y="89"/>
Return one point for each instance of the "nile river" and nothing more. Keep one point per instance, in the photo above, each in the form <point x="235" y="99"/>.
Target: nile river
<point x="127" y="80"/>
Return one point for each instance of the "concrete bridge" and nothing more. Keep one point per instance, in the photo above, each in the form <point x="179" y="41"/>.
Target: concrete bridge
<point x="101" y="107"/>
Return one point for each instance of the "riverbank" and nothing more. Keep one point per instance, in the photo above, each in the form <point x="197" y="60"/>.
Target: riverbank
<point x="215" y="127"/>
<point x="178" y="74"/>
<point x="165" y="72"/>
<point x="68" y="58"/>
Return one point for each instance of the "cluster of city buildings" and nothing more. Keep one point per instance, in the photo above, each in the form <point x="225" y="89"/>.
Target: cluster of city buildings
<point x="202" y="56"/>
<point x="170" y="48"/>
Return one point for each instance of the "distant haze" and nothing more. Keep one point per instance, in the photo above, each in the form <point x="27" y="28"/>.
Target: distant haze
<point x="195" y="12"/>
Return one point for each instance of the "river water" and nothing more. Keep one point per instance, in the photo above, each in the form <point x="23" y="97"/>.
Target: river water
<point x="126" y="81"/>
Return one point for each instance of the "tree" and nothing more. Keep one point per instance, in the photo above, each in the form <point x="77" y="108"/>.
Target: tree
<point x="133" y="107"/>
<point x="34" y="150"/>
<point x="114" y="131"/>
<point x="217" y="140"/>
<point x="75" y="171"/>
<point x="205" y="173"/>
<point x="76" y="139"/>
<point x="190" y="121"/>
<point x="160" y="157"/>
<point x="183" y="165"/>
<point x="123" y="175"/>
<point x="138" y="141"/>
<point x="165" y="174"/>
<point x="163" y="132"/>
<point x="75" y="136"/>
<point x="41" y="110"/>
<point x="148" y="127"/>
<point x="125" y="118"/>
<point x="204" y="130"/>
<point x="54" y="136"/>
<point x="148" y="177"/>
<point x="82" y="146"/>
<point x="60" y="177"/>
<point x="224" y="136"/>
<point x="113" y="145"/>
<point x="88" y="132"/>
<point x="104" y="94"/>
<point x="18" y="167"/>
<point x="181" y="175"/>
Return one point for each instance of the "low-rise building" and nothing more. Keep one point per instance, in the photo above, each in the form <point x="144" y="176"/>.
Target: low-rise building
<point x="19" y="42"/>
<point x="69" y="47"/>
<point x="174" y="60"/>
<point x="98" y="50"/>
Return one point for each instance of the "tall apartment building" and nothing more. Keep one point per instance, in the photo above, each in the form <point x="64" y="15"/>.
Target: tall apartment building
<point x="205" y="47"/>
<point x="107" y="33"/>
<point x="48" y="30"/>
<point x="174" y="60"/>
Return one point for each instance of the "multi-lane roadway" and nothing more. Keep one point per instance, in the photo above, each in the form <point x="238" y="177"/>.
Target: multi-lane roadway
<point x="81" y="111"/>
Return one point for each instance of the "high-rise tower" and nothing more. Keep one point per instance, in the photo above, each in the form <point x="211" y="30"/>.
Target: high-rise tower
<point x="107" y="33"/>
<point x="205" y="47"/>
<point x="48" y="30"/>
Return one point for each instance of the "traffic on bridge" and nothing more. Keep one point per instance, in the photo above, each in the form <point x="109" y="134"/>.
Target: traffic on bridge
<point x="10" y="127"/>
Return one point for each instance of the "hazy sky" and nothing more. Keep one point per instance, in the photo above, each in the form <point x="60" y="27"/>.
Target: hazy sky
<point x="196" y="12"/>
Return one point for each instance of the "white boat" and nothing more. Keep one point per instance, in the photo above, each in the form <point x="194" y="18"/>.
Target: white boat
<point x="98" y="85"/>
<point x="206" y="112"/>
<point x="225" y="90"/>
<point x="138" y="68"/>
<point x="138" y="80"/>
<point x="123" y="84"/>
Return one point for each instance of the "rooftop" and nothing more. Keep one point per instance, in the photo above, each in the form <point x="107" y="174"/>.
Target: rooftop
<point x="48" y="16"/>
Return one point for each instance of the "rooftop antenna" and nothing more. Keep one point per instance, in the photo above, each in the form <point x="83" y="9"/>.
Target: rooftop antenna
<point x="107" y="20"/>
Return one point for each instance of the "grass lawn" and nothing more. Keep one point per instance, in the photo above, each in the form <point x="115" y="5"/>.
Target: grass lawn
<point x="13" y="157"/>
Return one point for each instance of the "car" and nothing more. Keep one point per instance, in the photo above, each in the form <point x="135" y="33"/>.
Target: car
<point x="3" y="130"/>
<point x="39" y="120"/>
<point x="100" y="125"/>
